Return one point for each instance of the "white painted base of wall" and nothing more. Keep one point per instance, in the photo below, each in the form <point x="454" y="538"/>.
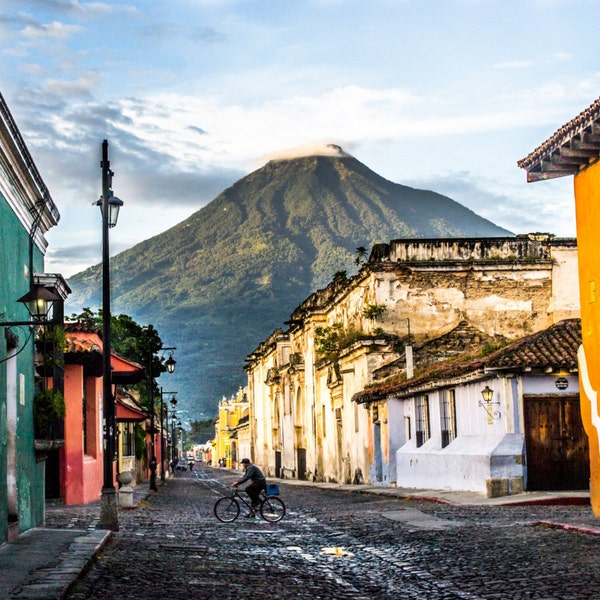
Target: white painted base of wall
<point x="464" y="465"/>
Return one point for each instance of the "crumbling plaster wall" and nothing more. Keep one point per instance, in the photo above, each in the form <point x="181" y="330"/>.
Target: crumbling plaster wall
<point x="507" y="300"/>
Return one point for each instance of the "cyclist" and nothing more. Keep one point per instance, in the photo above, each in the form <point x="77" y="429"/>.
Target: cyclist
<point x="258" y="483"/>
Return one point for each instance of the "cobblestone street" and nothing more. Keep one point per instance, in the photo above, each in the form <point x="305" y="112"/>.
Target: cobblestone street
<point x="334" y="544"/>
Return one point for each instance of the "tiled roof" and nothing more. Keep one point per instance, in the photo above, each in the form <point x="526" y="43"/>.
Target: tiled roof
<point x="574" y="146"/>
<point x="555" y="348"/>
<point x="82" y="341"/>
<point x="79" y="341"/>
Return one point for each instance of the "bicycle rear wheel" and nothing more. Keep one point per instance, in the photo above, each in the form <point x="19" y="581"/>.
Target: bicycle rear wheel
<point x="227" y="509"/>
<point x="272" y="509"/>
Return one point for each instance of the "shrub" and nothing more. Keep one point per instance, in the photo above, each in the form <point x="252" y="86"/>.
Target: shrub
<point x="48" y="407"/>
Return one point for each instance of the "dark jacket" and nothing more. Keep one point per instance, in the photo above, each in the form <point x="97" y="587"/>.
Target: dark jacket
<point x="252" y="473"/>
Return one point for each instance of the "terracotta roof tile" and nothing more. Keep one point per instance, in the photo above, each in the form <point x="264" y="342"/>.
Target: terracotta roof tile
<point x="555" y="347"/>
<point x="575" y="145"/>
<point x="81" y="341"/>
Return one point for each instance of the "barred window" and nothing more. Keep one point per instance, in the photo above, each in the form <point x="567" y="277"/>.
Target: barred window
<point x="128" y="439"/>
<point x="448" y="416"/>
<point x="423" y="430"/>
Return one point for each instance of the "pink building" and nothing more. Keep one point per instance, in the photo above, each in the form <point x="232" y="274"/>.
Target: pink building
<point x="81" y="457"/>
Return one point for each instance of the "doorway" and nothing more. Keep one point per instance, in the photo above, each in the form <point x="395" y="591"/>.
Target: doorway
<point x="556" y="444"/>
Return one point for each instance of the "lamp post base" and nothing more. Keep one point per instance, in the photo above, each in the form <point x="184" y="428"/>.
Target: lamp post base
<point x="109" y="510"/>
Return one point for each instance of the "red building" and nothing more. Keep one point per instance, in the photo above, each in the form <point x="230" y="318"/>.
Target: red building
<point x="80" y="471"/>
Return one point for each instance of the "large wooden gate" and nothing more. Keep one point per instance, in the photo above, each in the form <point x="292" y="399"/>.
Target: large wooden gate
<point x="556" y="444"/>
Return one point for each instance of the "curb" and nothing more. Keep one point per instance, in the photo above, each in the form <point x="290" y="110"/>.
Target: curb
<point x="569" y="527"/>
<point x="53" y="583"/>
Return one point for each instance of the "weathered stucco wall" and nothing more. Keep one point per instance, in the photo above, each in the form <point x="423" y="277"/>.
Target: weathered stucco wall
<point x="587" y="201"/>
<point x="509" y="287"/>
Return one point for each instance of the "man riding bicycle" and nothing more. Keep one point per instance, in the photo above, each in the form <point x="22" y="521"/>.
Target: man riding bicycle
<point x="258" y="483"/>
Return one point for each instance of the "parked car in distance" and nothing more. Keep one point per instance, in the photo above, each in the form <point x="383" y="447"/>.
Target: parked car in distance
<point x="182" y="465"/>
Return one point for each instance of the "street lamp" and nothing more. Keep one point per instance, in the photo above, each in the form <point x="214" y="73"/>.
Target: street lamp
<point x="170" y="366"/>
<point x="165" y="428"/>
<point x="109" y="205"/>
<point x="173" y="419"/>
<point x="170" y="362"/>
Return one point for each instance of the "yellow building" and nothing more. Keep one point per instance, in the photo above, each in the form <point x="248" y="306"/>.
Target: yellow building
<point x="574" y="150"/>
<point x="233" y="412"/>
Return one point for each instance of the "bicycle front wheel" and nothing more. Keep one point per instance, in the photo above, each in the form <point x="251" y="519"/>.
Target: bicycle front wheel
<point x="272" y="509"/>
<point x="227" y="509"/>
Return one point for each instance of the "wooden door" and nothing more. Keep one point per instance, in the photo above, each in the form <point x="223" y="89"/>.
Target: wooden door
<point x="301" y="460"/>
<point x="556" y="444"/>
<point x="277" y="464"/>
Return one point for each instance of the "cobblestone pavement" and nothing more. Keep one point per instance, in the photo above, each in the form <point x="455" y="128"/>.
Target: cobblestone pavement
<point x="335" y="544"/>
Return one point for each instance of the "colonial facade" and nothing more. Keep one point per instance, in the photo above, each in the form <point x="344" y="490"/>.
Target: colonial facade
<point x="499" y="423"/>
<point x="414" y="302"/>
<point x="574" y="151"/>
<point x="232" y="437"/>
<point x="81" y="459"/>
<point x="27" y="213"/>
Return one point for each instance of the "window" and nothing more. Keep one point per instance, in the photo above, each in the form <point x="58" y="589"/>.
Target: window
<point x="92" y="424"/>
<point x="422" y="420"/>
<point x="448" y="416"/>
<point x="128" y="439"/>
<point x="84" y="410"/>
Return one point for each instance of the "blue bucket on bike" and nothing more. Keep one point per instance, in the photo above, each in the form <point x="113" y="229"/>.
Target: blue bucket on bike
<point x="272" y="489"/>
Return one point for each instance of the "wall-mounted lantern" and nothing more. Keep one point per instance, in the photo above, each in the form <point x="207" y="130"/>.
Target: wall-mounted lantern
<point x="488" y="405"/>
<point x="39" y="301"/>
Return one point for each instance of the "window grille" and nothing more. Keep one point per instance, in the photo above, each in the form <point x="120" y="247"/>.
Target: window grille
<point x="423" y="431"/>
<point x="448" y="416"/>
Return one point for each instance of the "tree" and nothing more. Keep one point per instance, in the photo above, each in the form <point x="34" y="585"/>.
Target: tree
<point x="138" y="343"/>
<point x="201" y="431"/>
<point x="361" y="253"/>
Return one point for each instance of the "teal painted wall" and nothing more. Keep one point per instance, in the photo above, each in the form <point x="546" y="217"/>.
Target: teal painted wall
<point x="14" y="282"/>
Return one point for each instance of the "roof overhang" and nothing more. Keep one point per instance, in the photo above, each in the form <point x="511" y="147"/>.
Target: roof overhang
<point x="128" y="414"/>
<point x="573" y="148"/>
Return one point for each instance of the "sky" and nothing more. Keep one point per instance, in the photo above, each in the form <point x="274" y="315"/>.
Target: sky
<point x="192" y="95"/>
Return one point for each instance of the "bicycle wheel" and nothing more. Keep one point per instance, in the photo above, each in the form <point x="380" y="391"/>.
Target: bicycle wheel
<point x="272" y="509"/>
<point x="227" y="509"/>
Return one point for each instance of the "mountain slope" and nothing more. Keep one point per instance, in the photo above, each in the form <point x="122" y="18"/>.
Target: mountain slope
<point x="219" y="282"/>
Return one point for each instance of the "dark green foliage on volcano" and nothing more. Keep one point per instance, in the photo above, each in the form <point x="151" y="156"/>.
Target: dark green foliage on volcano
<point x="218" y="283"/>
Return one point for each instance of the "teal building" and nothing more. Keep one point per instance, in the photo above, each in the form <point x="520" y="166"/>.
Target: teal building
<point x="27" y="212"/>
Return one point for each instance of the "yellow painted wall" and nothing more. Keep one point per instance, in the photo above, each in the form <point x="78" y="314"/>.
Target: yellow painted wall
<point x="230" y="413"/>
<point x="587" y="201"/>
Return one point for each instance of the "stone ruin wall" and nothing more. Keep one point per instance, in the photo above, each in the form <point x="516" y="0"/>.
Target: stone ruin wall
<point x="484" y="284"/>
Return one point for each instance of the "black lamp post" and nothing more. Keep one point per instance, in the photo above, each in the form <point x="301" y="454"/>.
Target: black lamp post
<point x="165" y="427"/>
<point x="173" y="440"/>
<point x="170" y="366"/>
<point x="109" y="205"/>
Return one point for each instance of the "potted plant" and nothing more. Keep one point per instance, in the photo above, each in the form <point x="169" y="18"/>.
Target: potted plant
<point x="48" y="408"/>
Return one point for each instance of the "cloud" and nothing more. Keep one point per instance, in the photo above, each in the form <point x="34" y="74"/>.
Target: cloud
<point x="313" y="149"/>
<point x="514" y="207"/>
<point x="80" y="87"/>
<point x="53" y="30"/>
<point x="81" y="9"/>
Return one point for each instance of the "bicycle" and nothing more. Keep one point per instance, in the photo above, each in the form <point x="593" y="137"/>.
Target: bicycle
<point x="227" y="508"/>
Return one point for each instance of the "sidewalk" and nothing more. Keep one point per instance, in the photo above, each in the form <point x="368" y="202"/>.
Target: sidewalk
<point x="43" y="563"/>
